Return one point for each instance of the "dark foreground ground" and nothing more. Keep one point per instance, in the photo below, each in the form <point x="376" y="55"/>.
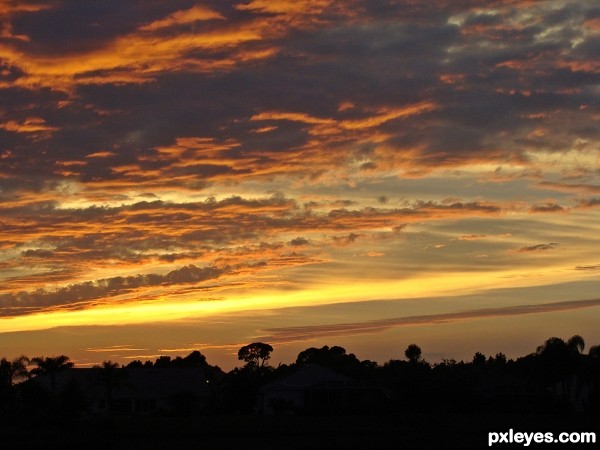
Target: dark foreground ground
<point x="398" y="431"/>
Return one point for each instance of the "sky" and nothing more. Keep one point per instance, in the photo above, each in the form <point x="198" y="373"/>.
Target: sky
<point x="199" y="175"/>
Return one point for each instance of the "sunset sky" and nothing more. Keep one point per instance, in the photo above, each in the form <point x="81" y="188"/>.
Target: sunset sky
<point x="197" y="175"/>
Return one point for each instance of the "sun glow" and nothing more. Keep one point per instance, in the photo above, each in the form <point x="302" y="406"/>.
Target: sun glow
<point x="166" y="308"/>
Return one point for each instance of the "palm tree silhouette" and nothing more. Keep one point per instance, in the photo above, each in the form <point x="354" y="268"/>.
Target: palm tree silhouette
<point x="110" y="377"/>
<point x="576" y="344"/>
<point x="11" y="372"/>
<point x="554" y="345"/>
<point x="51" y="366"/>
<point x="14" y="371"/>
<point x="559" y="360"/>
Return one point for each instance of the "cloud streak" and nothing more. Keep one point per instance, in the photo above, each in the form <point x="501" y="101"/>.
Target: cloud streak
<point x="80" y="295"/>
<point x="538" y="248"/>
<point x="305" y="333"/>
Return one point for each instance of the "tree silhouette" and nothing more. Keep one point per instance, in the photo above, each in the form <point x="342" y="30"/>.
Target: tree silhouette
<point x="51" y="366"/>
<point x="13" y="371"/>
<point x="240" y="388"/>
<point x="555" y="346"/>
<point x="413" y="353"/>
<point x="163" y="361"/>
<point x="559" y="361"/>
<point x="552" y="346"/>
<point x="335" y="358"/>
<point x="576" y="344"/>
<point x="256" y="354"/>
<point x="136" y="364"/>
<point x="109" y="378"/>
<point x="195" y="359"/>
<point x="479" y="359"/>
<point x="500" y="360"/>
<point x="556" y="377"/>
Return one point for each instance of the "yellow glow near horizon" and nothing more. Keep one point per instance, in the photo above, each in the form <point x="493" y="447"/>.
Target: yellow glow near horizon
<point x="165" y="310"/>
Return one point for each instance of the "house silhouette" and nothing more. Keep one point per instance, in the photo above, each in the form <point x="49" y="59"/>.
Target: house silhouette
<point x="133" y="390"/>
<point x="314" y="388"/>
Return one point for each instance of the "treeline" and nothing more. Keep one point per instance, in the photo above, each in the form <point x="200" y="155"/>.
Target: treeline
<point x="557" y="376"/>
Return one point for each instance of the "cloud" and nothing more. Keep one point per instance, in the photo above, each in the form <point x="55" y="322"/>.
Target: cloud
<point x="345" y="240"/>
<point x="81" y="295"/>
<point x="588" y="203"/>
<point x="472" y="237"/>
<point x="139" y="238"/>
<point x="114" y="348"/>
<point x="588" y="267"/>
<point x="210" y="220"/>
<point x="546" y="208"/>
<point x="399" y="228"/>
<point x="477" y="237"/>
<point x="183" y="17"/>
<point x="328" y="126"/>
<point x="538" y="248"/>
<point x="104" y="154"/>
<point x="37" y="253"/>
<point x="361" y="114"/>
<point x="570" y="187"/>
<point x="304" y="333"/>
<point x="119" y="67"/>
<point x="30" y="125"/>
<point x="299" y="241"/>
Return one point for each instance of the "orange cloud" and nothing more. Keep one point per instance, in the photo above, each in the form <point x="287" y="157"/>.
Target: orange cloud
<point x="593" y="24"/>
<point x="307" y="12"/>
<point x="329" y="125"/>
<point x="10" y="8"/>
<point x="137" y="57"/>
<point x="385" y="115"/>
<point x="589" y="66"/>
<point x="105" y="154"/>
<point x="30" y="125"/>
<point x="186" y="16"/>
<point x="286" y="6"/>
